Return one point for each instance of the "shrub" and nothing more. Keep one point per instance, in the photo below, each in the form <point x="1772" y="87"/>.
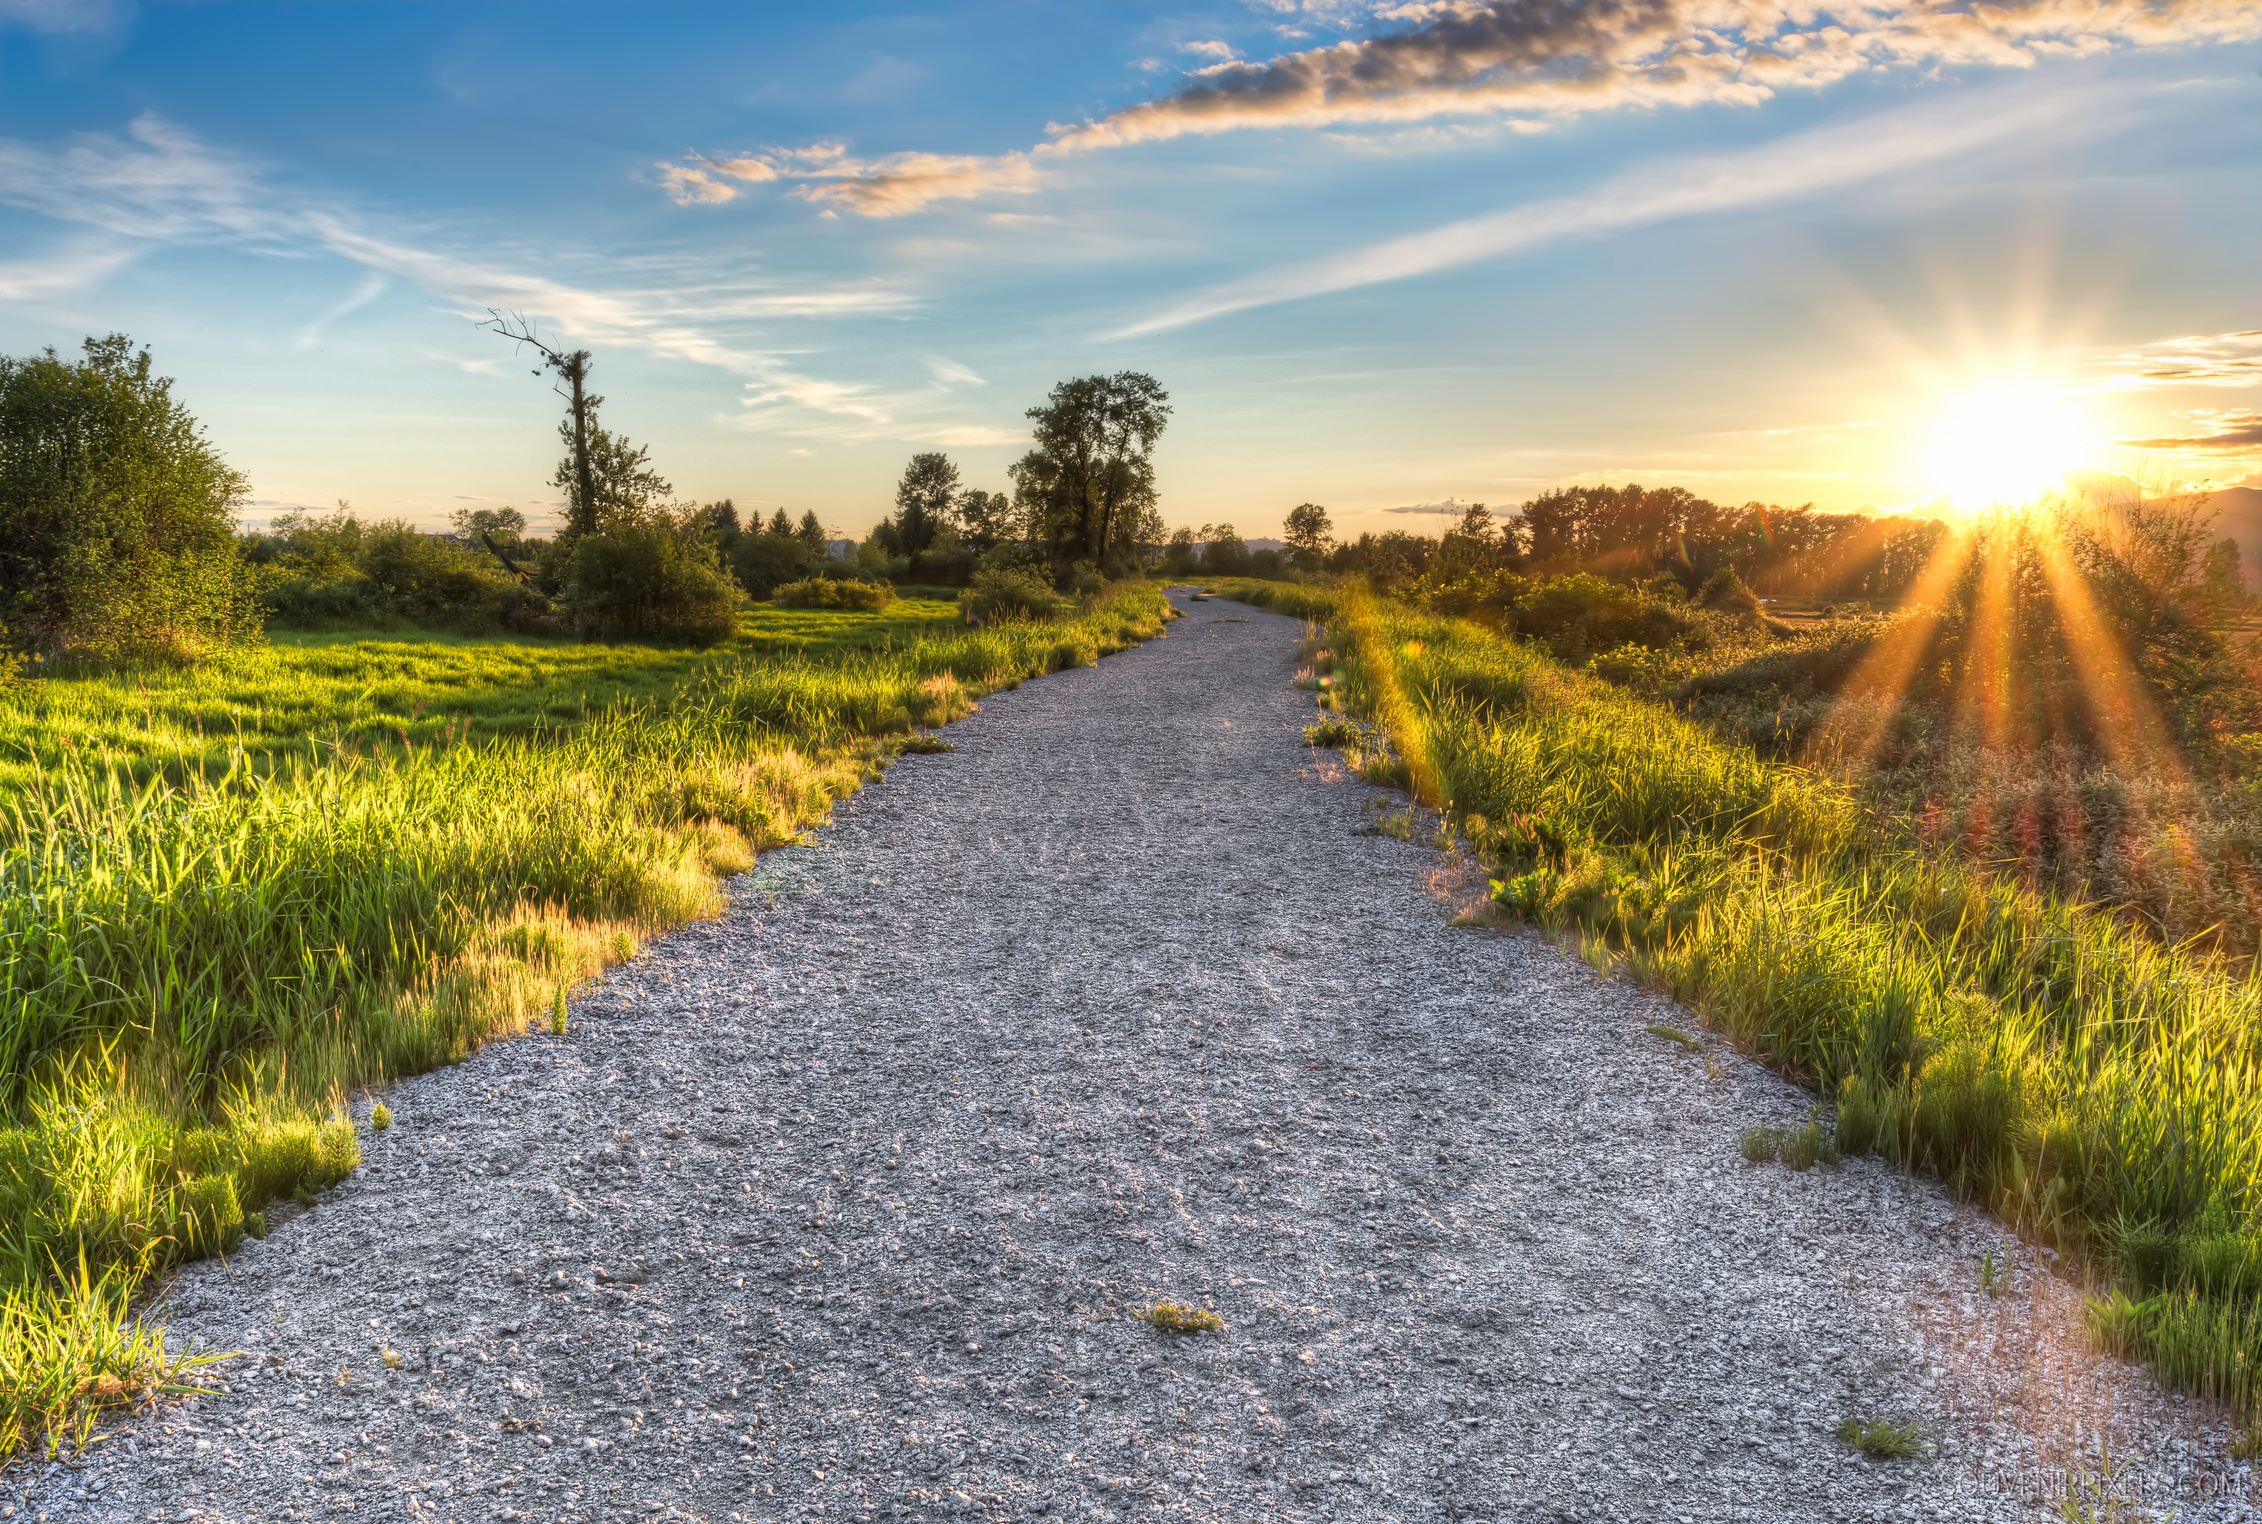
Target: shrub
<point x="1001" y="595"/>
<point x="323" y="571"/>
<point x="767" y="561"/>
<point x="833" y="593"/>
<point x="650" y="576"/>
<point x="1724" y="592"/>
<point x="116" y="532"/>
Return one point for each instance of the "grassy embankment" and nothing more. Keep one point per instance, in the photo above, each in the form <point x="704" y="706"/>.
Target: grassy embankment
<point x="233" y="896"/>
<point x="2097" y="1088"/>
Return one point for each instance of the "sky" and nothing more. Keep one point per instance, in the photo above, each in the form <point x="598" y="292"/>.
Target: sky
<point x="1384" y="257"/>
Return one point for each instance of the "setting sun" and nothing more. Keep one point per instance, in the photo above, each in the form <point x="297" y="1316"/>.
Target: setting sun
<point x="2005" y="447"/>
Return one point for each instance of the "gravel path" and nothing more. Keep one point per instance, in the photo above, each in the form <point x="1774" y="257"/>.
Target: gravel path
<point x="839" y="1206"/>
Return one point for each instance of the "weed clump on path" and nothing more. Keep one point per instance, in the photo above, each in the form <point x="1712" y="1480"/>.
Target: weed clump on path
<point x="1173" y="1318"/>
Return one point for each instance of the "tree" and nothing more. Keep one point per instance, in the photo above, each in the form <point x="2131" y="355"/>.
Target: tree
<point x="1179" y="555"/>
<point x="580" y="426"/>
<point x="811" y="533"/>
<point x="1309" y="533"/>
<point x="1224" y="553"/>
<point x="985" y="519"/>
<point x="504" y="525"/>
<point x="1094" y="483"/>
<point x="924" y="500"/>
<point x="117" y="532"/>
<point x="780" y="525"/>
<point x="722" y="521"/>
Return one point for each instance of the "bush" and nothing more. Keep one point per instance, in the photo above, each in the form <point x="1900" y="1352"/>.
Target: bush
<point x="1000" y="596"/>
<point x="651" y="576"/>
<point x="333" y="570"/>
<point x="767" y="561"/>
<point x="1724" y="592"/>
<point x="833" y="593"/>
<point x="116" y="516"/>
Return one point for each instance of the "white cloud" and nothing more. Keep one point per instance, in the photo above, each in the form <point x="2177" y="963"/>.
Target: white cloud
<point x="2211" y="359"/>
<point x="371" y="288"/>
<point x="161" y="185"/>
<point x="59" y="275"/>
<point x="1825" y="159"/>
<point x="1530" y="63"/>
<point x="951" y="373"/>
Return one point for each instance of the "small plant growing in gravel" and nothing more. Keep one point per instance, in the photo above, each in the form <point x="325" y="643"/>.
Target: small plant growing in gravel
<point x="2116" y="1324"/>
<point x="923" y="743"/>
<point x="380" y="1117"/>
<point x="1992" y="1273"/>
<point x="1800" y="1148"/>
<point x="255" y="1223"/>
<point x="1170" y="1317"/>
<point x="1882" y="1438"/>
<point x="2246" y="1445"/>
<point x="1332" y="733"/>
<point x="558" y="1013"/>
<point x="392" y="1359"/>
<point x="624" y="947"/>
<point x="1676" y="1035"/>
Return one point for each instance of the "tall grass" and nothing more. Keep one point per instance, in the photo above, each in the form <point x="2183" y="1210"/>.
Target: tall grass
<point x="196" y="973"/>
<point x="2099" y="1089"/>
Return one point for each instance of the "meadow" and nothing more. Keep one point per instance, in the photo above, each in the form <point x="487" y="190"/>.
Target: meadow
<point x="2095" y="1085"/>
<point x="234" y="899"/>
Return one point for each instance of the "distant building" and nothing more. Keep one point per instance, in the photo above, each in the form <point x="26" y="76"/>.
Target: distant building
<point x="840" y="550"/>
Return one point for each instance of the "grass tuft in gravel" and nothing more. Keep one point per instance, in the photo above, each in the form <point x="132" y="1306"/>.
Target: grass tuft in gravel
<point x="380" y="1117"/>
<point x="1882" y="1438"/>
<point x="1339" y="733"/>
<point x="1799" y="1148"/>
<point x="1173" y="1318"/>
<point x="1676" y="1035"/>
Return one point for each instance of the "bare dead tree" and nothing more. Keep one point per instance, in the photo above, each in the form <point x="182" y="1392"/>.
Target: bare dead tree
<point x="572" y="369"/>
<point x="516" y="570"/>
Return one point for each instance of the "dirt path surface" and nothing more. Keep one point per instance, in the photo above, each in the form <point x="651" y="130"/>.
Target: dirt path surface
<point x="838" y="1206"/>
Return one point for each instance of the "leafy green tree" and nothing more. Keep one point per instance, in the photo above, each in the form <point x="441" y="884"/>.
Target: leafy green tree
<point x="1224" y="552"/>
<point x="924" y="500"/>
<point x="117" y="532"/>
<point x="1309" y="533"/>
<point x="1180" y="555"/>
<point x="985" y="518"/>
<point x="505" y="526"/>
<point x="1089" y="485"/>
<point x="650" y="574"/>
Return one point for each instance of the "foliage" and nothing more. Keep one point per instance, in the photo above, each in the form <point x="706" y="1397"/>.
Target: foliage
<point x="1087" y="490"/>
<point x="2090" y="1083"/>
<point x="116" y="514"/>
<point x="366" y="909"/>
<point x="1003" y="594"/>
<point x="330" y="571"/>
<point x="833" y="593"/>
<point x="1309" y="533"/>
<point x="649" y="574"/>
<point x="505" y="526"/>
<point x="766" y="561"/>
<point x="985" y="519"/>
<point x="925" y="500"/>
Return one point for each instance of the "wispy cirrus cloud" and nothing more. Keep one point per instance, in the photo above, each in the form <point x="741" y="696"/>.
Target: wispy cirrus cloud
<point x="2212" y="433"/>
<point x="2216" y="359"/>
<point x="1529" y="62"/>
<point x="1829" y="158"/>
<point x="161" y="185"/>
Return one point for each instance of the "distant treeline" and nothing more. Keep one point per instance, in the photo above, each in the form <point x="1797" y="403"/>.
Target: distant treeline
<point x="1635" y="532"/>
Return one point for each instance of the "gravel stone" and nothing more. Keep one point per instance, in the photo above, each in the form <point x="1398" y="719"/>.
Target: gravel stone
<point x="840" y="1205"/>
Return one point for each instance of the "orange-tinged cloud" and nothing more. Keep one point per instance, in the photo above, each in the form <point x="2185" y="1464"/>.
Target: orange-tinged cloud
<point x="1532" y="62"/>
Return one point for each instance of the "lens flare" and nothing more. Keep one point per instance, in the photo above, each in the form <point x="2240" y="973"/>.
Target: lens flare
<point x="2006" y="448"/>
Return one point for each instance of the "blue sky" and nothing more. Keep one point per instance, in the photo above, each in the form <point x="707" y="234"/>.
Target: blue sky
<point x="1383" y="256"/>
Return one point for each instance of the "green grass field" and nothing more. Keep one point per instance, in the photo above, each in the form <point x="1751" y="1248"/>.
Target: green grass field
<point x="363" y="689"/>
<point x="2099" y="1089"/>
<point x="233" y="900"/>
